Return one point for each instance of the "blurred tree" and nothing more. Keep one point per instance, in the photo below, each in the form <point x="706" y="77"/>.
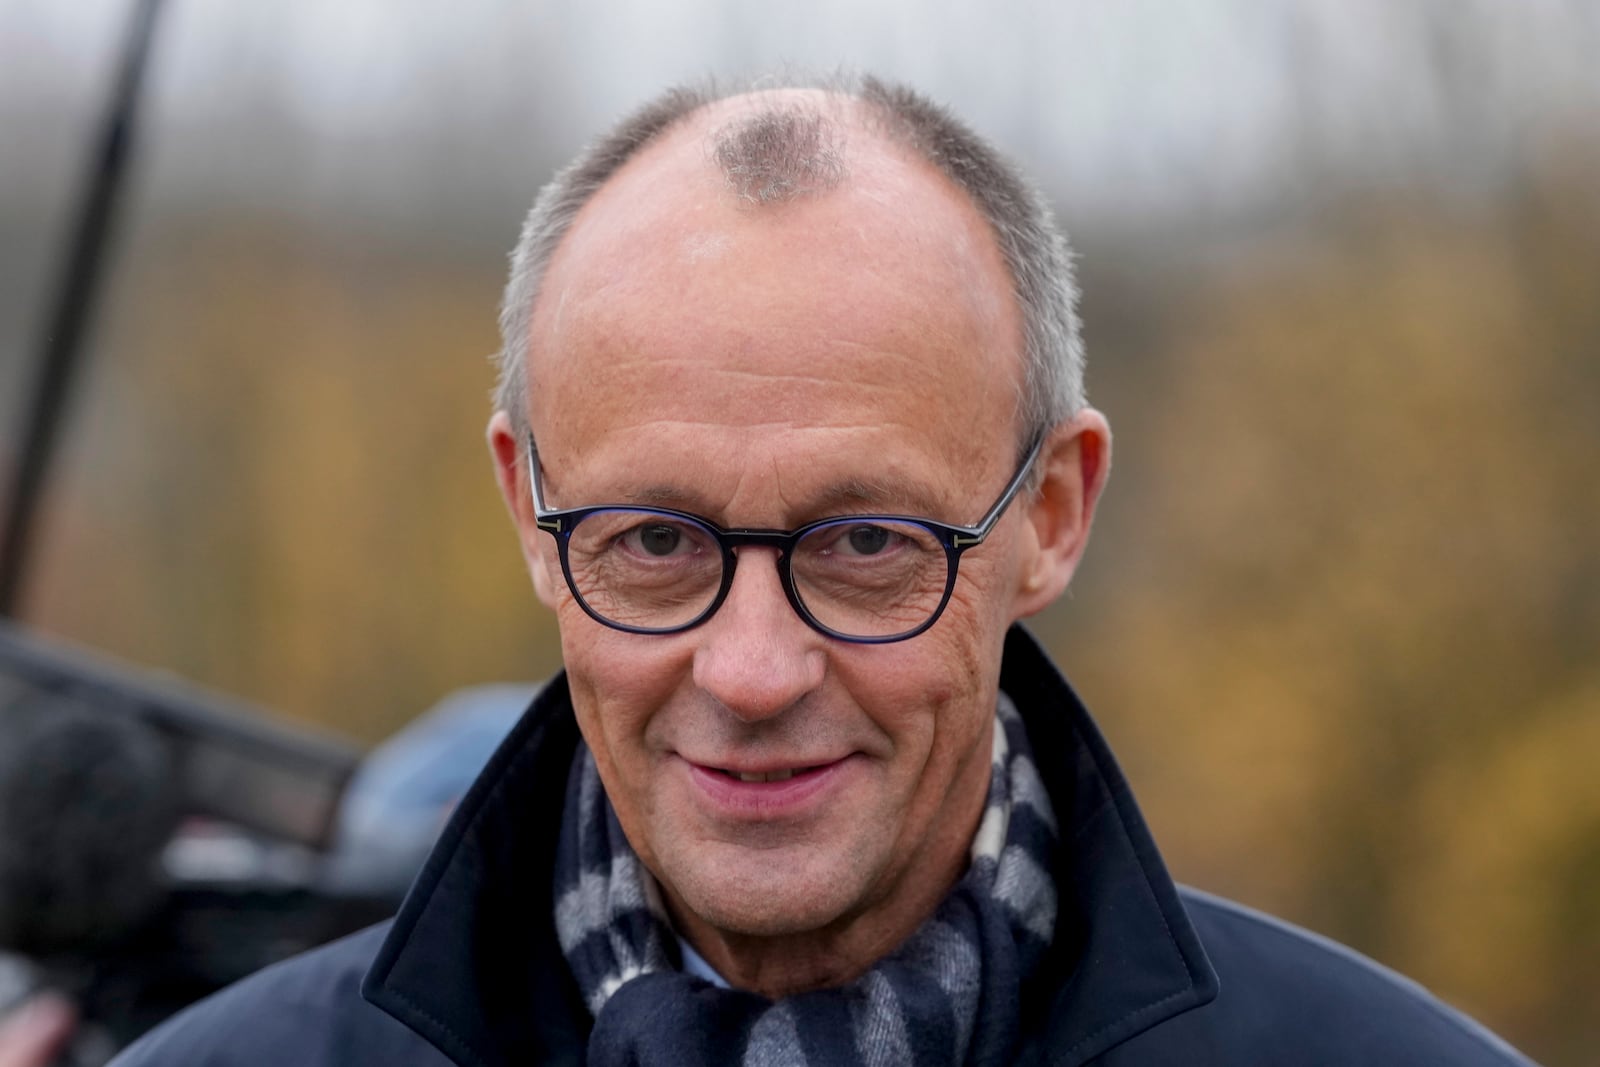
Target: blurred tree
<point x="298" y="522"/>
<point x="1348" y="622"/>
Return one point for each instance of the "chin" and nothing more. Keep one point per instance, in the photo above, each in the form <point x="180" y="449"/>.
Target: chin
<point x="771" y="897"/>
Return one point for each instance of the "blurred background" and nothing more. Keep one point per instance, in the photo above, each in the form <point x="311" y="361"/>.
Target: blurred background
<point x="1341" y="265"/>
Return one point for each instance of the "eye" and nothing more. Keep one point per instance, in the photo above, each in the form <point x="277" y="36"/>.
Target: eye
<point x="860" y="541"/>
<point x="658" y="539"/>
<point x="866" y="540"/>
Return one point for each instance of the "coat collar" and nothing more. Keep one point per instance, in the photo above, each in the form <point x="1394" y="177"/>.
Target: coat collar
<point x="472" y="963"/>
<point x="1125" y="956"/>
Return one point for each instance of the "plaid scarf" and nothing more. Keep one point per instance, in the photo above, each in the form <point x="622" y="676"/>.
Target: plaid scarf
<point x="948" y="995"/>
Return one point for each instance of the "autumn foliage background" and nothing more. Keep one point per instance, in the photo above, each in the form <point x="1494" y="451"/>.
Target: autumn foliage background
<point x="1341" y="611"/>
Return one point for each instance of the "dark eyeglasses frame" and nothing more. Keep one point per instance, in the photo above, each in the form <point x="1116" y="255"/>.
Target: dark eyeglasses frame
<point x="954" y="539"/>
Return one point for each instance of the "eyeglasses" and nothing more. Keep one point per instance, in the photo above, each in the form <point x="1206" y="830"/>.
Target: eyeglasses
<point x="868" y="579"/>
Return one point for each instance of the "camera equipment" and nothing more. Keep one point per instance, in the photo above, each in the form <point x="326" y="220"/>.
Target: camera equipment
<point x="156" y="842"/>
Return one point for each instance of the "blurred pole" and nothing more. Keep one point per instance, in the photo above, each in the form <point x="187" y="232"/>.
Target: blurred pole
<point x="74" y="299"/>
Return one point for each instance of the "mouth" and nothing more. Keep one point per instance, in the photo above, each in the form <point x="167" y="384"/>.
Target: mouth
<point x="766" y="776"/>
<point x="764" y="793"/>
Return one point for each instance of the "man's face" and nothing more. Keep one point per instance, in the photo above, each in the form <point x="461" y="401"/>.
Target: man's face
<point x="854" y="351"/>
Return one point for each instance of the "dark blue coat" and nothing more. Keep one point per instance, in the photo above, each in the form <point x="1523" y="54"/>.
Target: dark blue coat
<point x="1141" y="972"/>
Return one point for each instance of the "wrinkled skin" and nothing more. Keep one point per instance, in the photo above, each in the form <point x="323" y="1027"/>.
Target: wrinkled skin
<point x="855" y="350"/>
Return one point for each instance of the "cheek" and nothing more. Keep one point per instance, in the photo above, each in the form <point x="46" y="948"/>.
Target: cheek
<point x="619" y="683"/>
<point x="544" y="567"/>
<point x="986" y="592"/>
<point x="926" y="693"/>
<point x="972" y="628"/>
<point x="960" y="673"/>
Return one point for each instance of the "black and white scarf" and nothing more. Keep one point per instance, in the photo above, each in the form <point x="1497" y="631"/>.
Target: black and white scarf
<point x="948" y="995"/>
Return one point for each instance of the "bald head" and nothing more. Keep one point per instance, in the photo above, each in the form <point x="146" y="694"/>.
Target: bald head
<point x="671" y="265"/>
<point x="775" y="146"/>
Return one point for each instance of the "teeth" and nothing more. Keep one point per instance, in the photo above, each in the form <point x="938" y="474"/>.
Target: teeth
<point x="773" y="776"/>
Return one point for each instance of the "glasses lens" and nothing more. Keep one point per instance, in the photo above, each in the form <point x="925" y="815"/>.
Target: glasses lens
<point x="872" y="578"/>
<point x="644" y="569"/>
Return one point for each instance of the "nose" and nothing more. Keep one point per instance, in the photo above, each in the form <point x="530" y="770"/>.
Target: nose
<point x="756" y="657"/>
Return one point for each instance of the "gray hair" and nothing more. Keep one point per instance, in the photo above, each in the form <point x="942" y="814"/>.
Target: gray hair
<point x="786" y="150"/>
<point x="779" y="152"/>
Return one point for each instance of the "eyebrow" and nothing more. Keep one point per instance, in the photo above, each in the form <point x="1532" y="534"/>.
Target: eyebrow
<point x="881" y="495"/>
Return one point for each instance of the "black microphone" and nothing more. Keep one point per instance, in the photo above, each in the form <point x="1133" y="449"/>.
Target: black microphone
<point x="99" y="900"/>
<point x="88" y="800"/>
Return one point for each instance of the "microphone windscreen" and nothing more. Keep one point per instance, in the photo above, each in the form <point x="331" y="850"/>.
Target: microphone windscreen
<point x="87" y="802"/>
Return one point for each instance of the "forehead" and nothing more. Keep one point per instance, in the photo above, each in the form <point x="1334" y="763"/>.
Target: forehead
<point x="872" y="320"/>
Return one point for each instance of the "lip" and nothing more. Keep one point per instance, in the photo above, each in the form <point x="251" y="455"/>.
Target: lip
<point x="793" y="797"/>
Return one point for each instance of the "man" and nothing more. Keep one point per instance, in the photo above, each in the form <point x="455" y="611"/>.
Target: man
<point x="792" y="430"/>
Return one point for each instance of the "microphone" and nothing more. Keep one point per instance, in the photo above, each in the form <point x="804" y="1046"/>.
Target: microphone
<point x="88" y="800"/>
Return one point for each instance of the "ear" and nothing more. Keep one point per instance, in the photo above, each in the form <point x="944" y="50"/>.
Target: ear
<point x="511" y="472"/>
<point x="1073" y="466"/>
